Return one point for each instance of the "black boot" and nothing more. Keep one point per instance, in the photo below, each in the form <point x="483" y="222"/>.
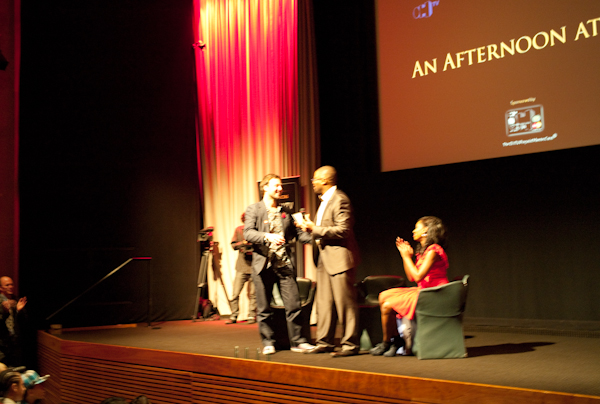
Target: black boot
<point x="395" y="344"/>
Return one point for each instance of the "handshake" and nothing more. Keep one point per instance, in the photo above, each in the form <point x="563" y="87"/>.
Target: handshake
<point x="302" y="220"/>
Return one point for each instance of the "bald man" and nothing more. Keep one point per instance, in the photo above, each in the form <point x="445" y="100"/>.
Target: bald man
<point x="336" y="258"/>
<point x="13" y="316"/>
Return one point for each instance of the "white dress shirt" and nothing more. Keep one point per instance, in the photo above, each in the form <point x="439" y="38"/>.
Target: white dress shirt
<point x="324" y="199"/>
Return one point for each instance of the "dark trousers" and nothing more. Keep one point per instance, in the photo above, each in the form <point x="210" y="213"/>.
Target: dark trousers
<point x="286" y="281"/>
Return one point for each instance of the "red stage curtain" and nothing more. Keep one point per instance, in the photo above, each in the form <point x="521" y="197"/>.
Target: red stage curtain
<point x="10" y="35"/>
<point x="249" y="113"/>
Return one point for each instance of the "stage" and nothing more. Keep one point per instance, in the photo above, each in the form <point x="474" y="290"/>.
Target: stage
<point x="189" y="361"/>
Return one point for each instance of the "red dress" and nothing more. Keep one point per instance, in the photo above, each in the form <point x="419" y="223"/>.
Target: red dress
<point x="404" y="300"/>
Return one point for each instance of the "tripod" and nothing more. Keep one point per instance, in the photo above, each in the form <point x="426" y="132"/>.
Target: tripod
<point x="205" y="238"/>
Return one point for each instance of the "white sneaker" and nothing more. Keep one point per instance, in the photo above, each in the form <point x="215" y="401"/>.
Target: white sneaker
<point x="268" y="350"/>
<point x="303" y="347"/>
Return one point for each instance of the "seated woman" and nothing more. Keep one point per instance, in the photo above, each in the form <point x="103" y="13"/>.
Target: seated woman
<point x="428" y="271"/>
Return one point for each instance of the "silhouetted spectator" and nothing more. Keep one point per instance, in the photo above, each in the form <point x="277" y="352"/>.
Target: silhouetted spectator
<point x="12" y="324"/>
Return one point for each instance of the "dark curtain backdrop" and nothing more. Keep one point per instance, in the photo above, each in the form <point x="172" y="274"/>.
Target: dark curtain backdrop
<point x="108" y="163"/>
<point x="524" y="227"/>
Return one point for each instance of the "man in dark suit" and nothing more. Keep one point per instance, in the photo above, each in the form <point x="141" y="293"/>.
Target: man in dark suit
<point x="270" y="228"/>
<point x="336" y="258"/>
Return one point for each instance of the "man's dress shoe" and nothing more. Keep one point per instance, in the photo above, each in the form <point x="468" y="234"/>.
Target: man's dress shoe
<point x="344" y="352"/>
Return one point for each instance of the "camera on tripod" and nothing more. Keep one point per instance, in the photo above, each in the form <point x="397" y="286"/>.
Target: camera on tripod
<point x="205" y="238"/>
<point x="206" y="234"/>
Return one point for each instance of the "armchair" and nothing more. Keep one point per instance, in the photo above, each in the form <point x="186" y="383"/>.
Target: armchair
<point x="439" y="315"/>
<point x="306" y="290"/>
<point x="368" y="306"/>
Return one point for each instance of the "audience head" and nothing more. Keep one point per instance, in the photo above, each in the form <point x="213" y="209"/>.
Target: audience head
<point x="114" y="400"/>
<point x="6" y="286"/>
<point x="33" y="383"/>
<point x="243" y="217"/>
<point x="11" y="385"/>
<point x="436" y="232"/>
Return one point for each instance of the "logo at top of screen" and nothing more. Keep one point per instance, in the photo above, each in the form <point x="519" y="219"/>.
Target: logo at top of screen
<point x="425" y="10"/>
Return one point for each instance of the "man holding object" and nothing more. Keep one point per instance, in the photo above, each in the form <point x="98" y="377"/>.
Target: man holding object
<point x="270" y="228"/>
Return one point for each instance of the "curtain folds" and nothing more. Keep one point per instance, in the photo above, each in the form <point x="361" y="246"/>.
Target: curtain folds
<point x="10" y="49"/>
<point x="249" y="115"/>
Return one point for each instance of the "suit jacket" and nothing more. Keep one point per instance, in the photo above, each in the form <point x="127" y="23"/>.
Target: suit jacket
<point x="337" y="246"/>
<point x="256" y="224"/>
<point x="244" y="260"/>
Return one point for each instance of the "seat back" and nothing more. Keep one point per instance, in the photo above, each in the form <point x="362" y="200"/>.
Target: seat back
<point x="439" y="314"/>
<point x="445" y="300"/>
<point x="373" y="285"/>
<point x="306" y="290"/>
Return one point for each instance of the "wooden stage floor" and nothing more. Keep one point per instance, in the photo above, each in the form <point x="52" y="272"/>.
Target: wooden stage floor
<point x="501" y="368"/>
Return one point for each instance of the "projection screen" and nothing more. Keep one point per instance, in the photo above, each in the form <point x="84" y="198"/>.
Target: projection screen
<point x="466" y="80"/>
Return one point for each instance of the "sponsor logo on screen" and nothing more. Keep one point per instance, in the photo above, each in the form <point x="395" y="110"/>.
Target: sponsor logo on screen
<point x="425" y="10"/>
<point x="524" y="120"/>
